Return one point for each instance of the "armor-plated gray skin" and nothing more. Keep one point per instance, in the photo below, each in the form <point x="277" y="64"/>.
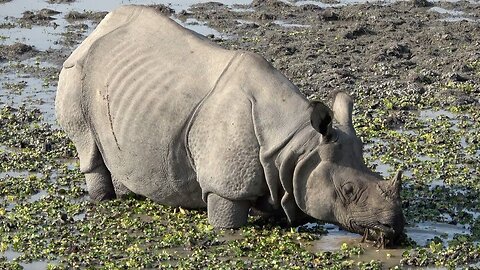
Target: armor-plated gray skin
<point x="159" y="110"/>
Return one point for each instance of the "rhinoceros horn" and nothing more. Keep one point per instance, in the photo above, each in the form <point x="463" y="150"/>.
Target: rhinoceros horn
<point x="393" y="187"/>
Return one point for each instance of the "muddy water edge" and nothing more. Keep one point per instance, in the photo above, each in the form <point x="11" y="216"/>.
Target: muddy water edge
<point x="412" y="66"/>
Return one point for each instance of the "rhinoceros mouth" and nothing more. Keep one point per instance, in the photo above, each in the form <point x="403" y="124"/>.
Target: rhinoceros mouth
<point x="379" y="233"/>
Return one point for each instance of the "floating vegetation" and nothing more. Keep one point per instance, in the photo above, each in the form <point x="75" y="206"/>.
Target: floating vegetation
<point x="45" y="215"/>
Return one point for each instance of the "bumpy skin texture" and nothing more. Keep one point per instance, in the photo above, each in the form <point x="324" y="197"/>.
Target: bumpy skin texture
<point x="158" y="110"/>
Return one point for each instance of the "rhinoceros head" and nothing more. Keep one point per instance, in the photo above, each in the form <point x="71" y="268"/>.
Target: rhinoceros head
<point x="339" y="187"/>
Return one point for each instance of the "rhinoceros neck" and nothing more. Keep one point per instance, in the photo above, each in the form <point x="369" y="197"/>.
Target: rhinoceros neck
<point x="281" y="120"/>
<point x="296" y="148"/>
<point x="278" y="108"/>
<point x="285" y="135"/>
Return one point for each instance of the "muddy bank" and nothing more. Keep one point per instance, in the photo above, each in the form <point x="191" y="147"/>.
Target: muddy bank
<point x="405" y="49"/>
<point x="413" y="67"/>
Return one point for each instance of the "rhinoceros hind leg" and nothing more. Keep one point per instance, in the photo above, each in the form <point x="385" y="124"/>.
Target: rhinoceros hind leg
<point x="99" y="184"/>
<point x="70" y="115"/>
<point x="120" y="189"/>
<point x="224" y="213"/>
<point x="97" y="176"/>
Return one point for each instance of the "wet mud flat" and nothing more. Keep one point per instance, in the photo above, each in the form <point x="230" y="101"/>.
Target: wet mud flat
<point x="412" y="66"/>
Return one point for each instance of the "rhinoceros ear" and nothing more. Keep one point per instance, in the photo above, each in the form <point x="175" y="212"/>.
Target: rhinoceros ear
<point x="343" y="108"/>
<point x="321" y="119"/>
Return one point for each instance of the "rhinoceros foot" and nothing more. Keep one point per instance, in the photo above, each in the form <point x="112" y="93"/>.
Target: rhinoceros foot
<point x="224" y="213"/>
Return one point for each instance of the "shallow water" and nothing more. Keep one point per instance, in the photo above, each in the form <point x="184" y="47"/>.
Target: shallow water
<point x="44" y="37"/>
<point x="200" y="27"/>
<point x="287" y="24"/>
<point x="428" y="115"/>
<point x="36" y="93"/>
<point x="421" y="233"/>
<point x="452" y="15"/>
<point x="19" y="174"/>
<point x="35" y="265"/>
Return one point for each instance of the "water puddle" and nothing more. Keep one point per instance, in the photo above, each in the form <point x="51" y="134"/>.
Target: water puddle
<point x="446" y="11"/>
<point x="320" y="4"/>
<point x="335" y="3"/>
<point x="463" y="142"/>
<point x="428" y="115"/>
<point x="384" y="169"/>
<point x="436" y="183"/>
<point x="16" y="8"/>
<point x="79" y="217"/>
<point x="41" y="37"/>
<point x="422" y="233"/>
<point x="334" y="239"/>
<point x="38" y="196"/>
<point x="288" y="25"/>
<point x="18" y="174"/>
<point x="339" y="3"/>
<point x="11" y="255"/>
<point x="474" y="214"/>
<point x="424" y="158"/>
<point x="451" y="15"/>
<point x="34" y="94"/>
<point x="35" y="265"/>
<point x="407" y="132"/>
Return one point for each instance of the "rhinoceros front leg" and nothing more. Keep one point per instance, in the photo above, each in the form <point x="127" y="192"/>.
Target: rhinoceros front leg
<point x="225" y="213"/>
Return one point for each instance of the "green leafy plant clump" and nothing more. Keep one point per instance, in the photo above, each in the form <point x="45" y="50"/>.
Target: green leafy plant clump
<point x="45" y="215"/>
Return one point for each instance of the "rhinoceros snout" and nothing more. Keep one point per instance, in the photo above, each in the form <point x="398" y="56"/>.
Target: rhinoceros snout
<point x="390" y="228"/>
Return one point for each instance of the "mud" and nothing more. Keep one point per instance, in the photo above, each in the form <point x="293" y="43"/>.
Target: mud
<point x="94" y="16"/>
<point x="17" y="51"/>
<point x="366" y="49"/>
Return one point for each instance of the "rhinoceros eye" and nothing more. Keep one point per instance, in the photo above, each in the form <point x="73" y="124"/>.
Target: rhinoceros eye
<point x="348" y="191"/>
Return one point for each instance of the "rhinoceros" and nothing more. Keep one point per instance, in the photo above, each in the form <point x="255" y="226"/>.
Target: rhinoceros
<point x="161" y="111"/>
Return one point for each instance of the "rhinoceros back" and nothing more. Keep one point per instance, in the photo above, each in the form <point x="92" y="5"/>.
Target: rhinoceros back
<point x="143" y="78"/>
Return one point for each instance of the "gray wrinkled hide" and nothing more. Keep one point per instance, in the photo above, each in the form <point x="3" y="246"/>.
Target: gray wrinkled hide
<point x="161" y="111"/>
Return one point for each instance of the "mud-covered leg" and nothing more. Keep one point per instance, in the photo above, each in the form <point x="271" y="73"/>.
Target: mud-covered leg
<point x="224" y="213"/>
